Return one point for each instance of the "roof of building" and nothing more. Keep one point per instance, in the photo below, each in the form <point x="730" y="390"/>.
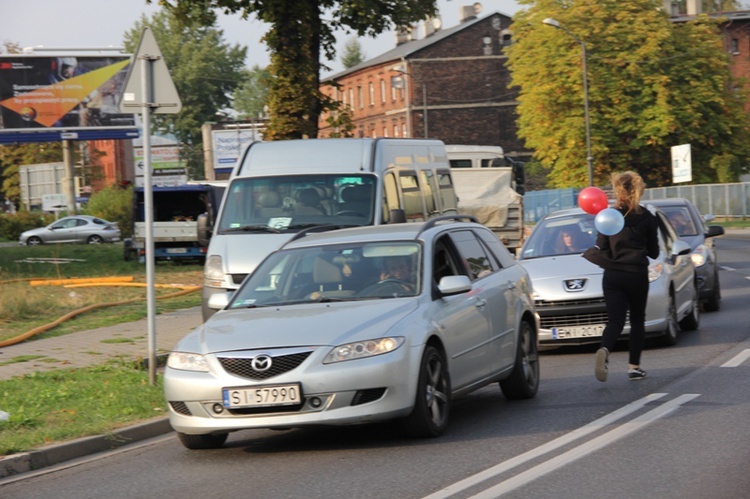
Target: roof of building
<point x="406" y="49"/>
<point x="741" y="15"/>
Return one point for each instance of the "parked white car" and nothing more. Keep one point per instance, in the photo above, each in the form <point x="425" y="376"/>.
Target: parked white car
<point x="355" y="326"/>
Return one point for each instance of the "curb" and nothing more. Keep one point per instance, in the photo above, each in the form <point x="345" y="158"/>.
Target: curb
<point x="16" y="464"/>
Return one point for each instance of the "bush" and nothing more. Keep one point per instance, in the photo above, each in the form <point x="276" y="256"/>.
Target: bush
<point x="13" y="224"/>
<point x="113" y="204"/>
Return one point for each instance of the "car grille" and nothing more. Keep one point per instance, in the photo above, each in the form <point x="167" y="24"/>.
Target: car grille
<point x="238" y="278"/>
<point x="280" y="364"/>
<point x="181" y="408"/>
<point x="569" y="313"/>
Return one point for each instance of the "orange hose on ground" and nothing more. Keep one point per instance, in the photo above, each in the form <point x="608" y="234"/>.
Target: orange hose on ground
<point x="47" y="327"/>
<point x="80" y="280"/>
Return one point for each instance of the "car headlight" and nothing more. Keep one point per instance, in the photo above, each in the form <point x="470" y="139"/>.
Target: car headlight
<point x="213" y="274"/>
<point x="654" y="271"/>
<point x="187" y="361"/>
<point x="362" y="349"/>
<point x="699" y="256"/>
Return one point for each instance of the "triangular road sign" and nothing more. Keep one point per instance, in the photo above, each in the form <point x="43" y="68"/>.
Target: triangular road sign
<point x="162" y="95"/>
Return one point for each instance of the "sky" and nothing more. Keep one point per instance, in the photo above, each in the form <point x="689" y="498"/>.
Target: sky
<point x="103" y="23"/>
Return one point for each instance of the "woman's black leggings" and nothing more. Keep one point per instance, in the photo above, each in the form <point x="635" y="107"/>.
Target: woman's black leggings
<point x="623" y="292"/>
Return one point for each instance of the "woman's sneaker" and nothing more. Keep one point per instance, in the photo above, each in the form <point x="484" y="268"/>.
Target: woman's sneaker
<point x="602" y="364"/>
<point x="637" y="373"/>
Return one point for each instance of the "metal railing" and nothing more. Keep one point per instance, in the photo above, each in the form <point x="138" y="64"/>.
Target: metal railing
<point x="721" y="200"/>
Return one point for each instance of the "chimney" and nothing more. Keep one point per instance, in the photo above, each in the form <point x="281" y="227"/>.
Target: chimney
<point x="466" y="13"/>
<point x="404" y="34"/>
<point x="430" y="26"/>
<point x="694" y="7"/>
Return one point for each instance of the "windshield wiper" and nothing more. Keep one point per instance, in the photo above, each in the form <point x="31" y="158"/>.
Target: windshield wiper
<point x="252" y="228"/>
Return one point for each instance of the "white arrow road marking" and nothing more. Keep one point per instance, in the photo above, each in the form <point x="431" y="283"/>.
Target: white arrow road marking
<point x="548" y="447"/>
<point x="587" y="448"/>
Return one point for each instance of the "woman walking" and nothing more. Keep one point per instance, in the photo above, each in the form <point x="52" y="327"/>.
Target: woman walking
<point x="625" y="280"/>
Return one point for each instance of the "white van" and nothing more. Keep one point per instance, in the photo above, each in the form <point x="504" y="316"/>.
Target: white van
<point x="281" y="188"/>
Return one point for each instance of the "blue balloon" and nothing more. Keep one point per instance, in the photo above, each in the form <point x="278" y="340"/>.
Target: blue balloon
<point x="609" y="221"/>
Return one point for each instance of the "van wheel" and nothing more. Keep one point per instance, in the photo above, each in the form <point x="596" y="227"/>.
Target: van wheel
<point x="197" y="442"/>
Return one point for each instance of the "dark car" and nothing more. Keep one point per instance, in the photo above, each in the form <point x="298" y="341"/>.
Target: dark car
<point x="691" y="226"/>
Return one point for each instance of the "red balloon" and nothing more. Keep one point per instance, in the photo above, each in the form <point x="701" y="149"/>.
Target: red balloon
<point x="592" y="200"/>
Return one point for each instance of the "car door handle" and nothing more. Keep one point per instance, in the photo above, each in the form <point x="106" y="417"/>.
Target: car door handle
<point x="481" y="302"/>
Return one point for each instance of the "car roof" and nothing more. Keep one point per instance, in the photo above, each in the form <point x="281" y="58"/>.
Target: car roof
<point x="387" y="232"/>
<point x="668" y="201"/>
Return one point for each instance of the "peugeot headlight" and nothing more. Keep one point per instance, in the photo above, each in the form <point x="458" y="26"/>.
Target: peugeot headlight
<point x="655" y="269"/>
<point x="213" y="274"/>
<point x="187" y="361"/>
<point x="362" y="349"/>
<point x="699" y="256"/>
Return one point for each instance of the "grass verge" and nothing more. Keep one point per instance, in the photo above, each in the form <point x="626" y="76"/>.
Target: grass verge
<point x="61" y="405"/>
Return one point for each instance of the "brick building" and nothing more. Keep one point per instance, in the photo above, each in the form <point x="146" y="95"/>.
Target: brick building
<point x="450" y="84"/>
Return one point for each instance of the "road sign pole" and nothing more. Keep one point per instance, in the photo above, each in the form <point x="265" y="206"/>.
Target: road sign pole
<point x="148" y="188"/>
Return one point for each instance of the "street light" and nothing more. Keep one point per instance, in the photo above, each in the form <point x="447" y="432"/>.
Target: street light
<point x="589" y="158"/>
<point x="399" y="69"/>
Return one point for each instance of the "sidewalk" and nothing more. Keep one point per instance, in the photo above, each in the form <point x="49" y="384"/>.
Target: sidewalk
<point x="88" y="348"/>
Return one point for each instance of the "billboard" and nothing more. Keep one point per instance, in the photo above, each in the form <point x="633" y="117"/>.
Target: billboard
<point x="79" y="93"/>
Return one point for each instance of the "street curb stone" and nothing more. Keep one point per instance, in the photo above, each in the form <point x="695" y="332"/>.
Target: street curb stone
<point x="17" y="464"/>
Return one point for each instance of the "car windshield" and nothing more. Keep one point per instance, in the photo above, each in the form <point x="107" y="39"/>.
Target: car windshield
<point x="294" y="202"/>
<point x="347" y="272"/>
<point x="679" y="217"/>
<point x="571" y="234"/>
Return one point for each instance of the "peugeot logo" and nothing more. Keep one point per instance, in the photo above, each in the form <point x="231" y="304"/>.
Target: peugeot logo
<point x="575" y="284"/>
<point x="262" y="363"/>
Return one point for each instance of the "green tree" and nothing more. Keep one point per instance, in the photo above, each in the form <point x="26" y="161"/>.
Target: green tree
<point x="205" y="71"/>
<point x="251" y="96"/>
<point x="652" y="85"/>
<point x="353" y="54"/>
<point x="300" y="31"/>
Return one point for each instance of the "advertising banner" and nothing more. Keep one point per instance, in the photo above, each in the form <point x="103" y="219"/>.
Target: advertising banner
<point x="167" y="167"/>
<point x="74" y="93"/>
<point x="682" y="164"/>
<point x="228" y="145"/>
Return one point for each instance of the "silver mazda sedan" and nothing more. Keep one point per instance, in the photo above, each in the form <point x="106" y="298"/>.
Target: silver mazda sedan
<point x="568" y="288"/>
<point x="356" y="326"/>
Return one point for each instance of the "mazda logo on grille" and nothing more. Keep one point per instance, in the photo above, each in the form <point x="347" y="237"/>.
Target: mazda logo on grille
<point x="574" y="284"/>
<point x="262" y="363"/>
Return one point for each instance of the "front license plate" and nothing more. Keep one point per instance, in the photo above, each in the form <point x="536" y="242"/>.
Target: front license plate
<point x="263" y="396"/>
<point x="561" y="333"/>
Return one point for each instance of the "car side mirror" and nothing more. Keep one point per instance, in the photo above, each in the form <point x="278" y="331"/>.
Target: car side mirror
<point x="204" y="230"/>
<point x="681" y="248"/>
<point x="454" y="284"/>
<point x="219" y="301"/>
<point x="715" y="230"/>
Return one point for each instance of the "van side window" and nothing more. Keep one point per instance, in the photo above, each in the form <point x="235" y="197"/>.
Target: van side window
<point x="447" y="193"/>
<point x="460" y="163"/>
<point x="429" y="193"/>
<point x="390" y="196"/>
<point x="413" y="205"/>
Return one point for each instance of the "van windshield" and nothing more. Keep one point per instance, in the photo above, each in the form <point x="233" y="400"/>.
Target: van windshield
<point x="295" y="202"/>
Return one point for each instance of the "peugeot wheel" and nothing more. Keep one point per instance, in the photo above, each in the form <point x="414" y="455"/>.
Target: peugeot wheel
<point x="197" y="442"/>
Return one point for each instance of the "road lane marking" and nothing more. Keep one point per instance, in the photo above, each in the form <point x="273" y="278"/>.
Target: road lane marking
<point x="543" y="449"/>
<point x="724" y="267"/>
<point x="737" y="359"/>
<point x="586" y="448"/>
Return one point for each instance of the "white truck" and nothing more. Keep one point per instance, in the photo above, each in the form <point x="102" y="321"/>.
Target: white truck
<point x="487" y="185"/>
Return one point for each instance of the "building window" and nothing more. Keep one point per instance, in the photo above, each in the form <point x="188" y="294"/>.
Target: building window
<point x="371" y="89"/>
<point x="382" y="91"/>
<point x="395" y="130"/>
<point x="359" y="97"/>
<point x="385" y="131"/>
<point x="403" y="130"/>
<point x="735" y="46"/>
<point x="393" y="89"/>
<point x="351" y="98"/>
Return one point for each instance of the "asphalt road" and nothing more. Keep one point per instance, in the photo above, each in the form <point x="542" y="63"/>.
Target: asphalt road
<point x="680" y="433"/>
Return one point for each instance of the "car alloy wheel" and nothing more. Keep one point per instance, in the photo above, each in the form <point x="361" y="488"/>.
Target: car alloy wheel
<point x="432" y="404"/>
<point x="523" y="381"/>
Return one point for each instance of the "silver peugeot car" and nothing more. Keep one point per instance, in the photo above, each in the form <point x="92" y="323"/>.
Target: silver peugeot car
<point x="568" y="288"/>
<point x="356" y="326"/>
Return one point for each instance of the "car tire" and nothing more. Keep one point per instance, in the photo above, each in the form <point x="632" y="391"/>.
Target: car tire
<point x="432" y="403"/>
<point x="523" y="382"/>
<point x="692" y="321"/>
<point x="95" y="239"/>
<point x="198" y="442"/>
<point x="669" y="337"/>
<point x="714" y="303"/>
<point x="34" y="241"/>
